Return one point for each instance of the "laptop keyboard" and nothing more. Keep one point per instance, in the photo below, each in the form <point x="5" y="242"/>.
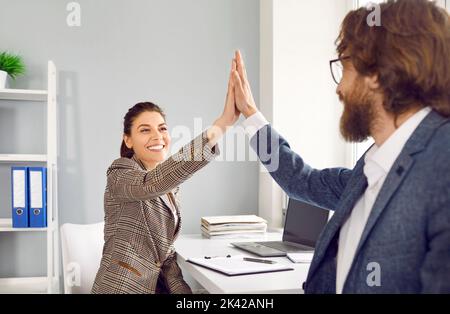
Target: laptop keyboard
<point x="284" y="247"/>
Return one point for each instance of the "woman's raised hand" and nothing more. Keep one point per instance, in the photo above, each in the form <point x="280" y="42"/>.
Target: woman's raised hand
<point x="239" y="100"/>
<point x="242" y="91"/>
<point x="230" y="113"/>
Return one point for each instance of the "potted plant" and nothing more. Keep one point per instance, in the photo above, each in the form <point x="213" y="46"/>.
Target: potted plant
<point x="11" y="65"/>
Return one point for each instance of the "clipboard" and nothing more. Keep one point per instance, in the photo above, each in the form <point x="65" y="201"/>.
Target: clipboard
<point x="236" y="265"/>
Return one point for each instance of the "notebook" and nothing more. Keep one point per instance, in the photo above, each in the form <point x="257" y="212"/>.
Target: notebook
<point x="236" y="265"/>
<point x="301" y="257"/>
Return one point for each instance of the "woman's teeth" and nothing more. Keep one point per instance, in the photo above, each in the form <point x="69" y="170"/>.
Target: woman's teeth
<point x="156" y="147"/>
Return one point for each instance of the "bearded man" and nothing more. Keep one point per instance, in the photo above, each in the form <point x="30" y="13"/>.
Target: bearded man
<point x="390" y="232"/>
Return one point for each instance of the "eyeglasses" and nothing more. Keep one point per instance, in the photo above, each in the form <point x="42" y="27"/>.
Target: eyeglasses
<point x="337" y="68"/>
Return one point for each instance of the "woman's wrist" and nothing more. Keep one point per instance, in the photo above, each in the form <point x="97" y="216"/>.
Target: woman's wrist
<point x="223" y="123"/>
<point x="216" y="131"/>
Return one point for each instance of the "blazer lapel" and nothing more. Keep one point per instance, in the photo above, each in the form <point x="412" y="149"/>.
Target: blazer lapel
<point x="167" y="202"/>
<point x="178" y="227"/>
<point x="416" y="143"/>
<point x="175" y="195"/>
<point x="170" y="199"/>
<point x="355" y="188"/>
<point x="394" y="179"/>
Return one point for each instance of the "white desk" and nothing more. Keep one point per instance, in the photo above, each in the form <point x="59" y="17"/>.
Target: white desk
<point x="189" y="246"/>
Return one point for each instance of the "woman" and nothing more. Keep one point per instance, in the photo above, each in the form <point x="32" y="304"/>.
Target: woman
<point x="142" y="218"/>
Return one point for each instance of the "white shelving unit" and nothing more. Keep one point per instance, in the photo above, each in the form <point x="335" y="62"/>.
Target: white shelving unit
<point x="22" y="157"/>
<point x="50" y="282"/>
<point x="24" y="94"/>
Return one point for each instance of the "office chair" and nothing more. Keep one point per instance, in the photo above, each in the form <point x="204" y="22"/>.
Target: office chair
<point x="82" y="247"/>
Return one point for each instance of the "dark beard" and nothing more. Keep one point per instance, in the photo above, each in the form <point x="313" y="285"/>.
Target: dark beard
<point x="358" y="116"/>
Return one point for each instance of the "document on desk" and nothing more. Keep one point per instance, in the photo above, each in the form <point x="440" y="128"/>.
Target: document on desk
<point x="301" y="257"/>
<point x="236" y="265"/>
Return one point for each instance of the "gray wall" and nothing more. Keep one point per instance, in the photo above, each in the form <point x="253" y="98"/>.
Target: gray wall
<point x="176" y="53"/>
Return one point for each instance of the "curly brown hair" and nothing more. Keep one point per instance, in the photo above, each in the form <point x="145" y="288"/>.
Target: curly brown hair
<point x="409" y="52"/>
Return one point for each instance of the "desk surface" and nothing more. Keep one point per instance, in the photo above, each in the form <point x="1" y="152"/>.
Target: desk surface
<point x="189" y="246"/>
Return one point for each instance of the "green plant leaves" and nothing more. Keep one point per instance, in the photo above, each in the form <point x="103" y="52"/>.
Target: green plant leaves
<point x="11" y="64"/>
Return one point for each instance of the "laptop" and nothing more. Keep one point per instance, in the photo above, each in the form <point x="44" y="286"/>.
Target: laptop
<point x="303" y="225"/>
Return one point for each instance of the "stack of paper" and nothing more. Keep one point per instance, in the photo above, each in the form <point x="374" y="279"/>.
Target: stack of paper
<point x="233" y="226"/>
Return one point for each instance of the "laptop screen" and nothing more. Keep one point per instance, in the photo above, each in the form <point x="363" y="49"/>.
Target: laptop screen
<point x="304" y="223"/>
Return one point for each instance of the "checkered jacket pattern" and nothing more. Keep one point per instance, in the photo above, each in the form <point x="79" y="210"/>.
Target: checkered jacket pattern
<point x="138" y="254"/>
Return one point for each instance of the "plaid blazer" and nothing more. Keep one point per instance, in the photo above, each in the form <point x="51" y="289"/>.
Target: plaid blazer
<point x="138" y="254"/>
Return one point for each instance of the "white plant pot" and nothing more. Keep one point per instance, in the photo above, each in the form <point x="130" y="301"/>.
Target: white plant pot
<point x="3" y="77"/>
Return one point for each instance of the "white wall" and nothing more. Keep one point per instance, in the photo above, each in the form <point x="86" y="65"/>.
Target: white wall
<point x="297" y="91"/>
<point x="444" y="3"/>
<point x="176" y="53"/>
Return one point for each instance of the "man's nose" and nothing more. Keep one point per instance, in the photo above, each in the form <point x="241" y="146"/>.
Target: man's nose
<point x="339" y="93"/>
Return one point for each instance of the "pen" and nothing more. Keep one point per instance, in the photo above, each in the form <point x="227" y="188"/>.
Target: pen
<point x="209" y="257"/>
<point x="257" y="260"/>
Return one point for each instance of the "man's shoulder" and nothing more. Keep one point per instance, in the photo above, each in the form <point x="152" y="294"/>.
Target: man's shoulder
<point x="440" y="142"/>
<point x="437" y="152"/>
<point x="443" y="132"/>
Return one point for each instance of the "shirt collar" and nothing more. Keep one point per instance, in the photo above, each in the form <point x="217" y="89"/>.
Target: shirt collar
<point x="385" y="155"/>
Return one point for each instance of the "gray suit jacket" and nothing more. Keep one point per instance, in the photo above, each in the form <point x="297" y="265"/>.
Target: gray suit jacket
<point x="406" y="240"/>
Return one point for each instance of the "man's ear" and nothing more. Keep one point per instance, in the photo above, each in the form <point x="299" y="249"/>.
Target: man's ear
<point x="127" y="140"/>
<point x="372" y="82"/>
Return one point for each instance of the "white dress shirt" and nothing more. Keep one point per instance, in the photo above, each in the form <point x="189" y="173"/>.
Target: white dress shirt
<point x="378" y="162"/>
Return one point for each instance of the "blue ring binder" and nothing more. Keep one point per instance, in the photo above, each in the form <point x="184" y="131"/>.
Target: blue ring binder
<point x="37" y="177"/>
<point x="19" y="191"/>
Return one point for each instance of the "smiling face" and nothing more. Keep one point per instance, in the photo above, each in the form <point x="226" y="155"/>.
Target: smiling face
<point x="149" y="138"/>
